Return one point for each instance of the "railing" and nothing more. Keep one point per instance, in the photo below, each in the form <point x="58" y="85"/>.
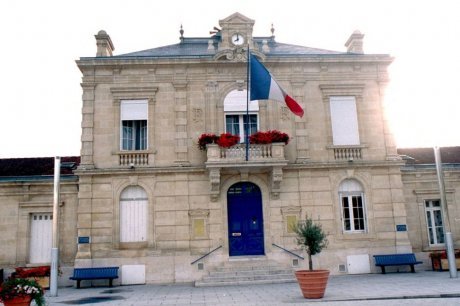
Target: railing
<point x="133" y="158"/>
<point x="292" y="253"/>
<point x="237" y="152"/>
<point x="347" y="153"/>
<point x="207" y="254"/>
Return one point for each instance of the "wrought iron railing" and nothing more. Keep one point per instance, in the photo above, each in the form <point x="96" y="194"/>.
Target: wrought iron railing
<point x="207" y="254"/>
<point x="290" y="252"/>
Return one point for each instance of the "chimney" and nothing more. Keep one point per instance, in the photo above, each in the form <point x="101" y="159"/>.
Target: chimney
<point x="354" y="44"/>
<point x="104" y="44"/>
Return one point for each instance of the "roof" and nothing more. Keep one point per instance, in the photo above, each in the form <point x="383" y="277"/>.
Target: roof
<point x="41" y="166"/>
<point x="449" y="155"/>
<point x="198" y="47"/>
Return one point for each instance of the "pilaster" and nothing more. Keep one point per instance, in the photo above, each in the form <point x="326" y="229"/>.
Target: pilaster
<point x="180" y="120"/>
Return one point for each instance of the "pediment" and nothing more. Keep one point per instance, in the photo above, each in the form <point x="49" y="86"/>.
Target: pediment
<point x="236" y="18"/>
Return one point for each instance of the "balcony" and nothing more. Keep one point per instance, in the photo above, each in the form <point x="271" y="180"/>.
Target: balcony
<point x="261" y="157"/>
<point x="133" y="158"/>
<point x="347" y="153"/>
<point x="257" y="153"/>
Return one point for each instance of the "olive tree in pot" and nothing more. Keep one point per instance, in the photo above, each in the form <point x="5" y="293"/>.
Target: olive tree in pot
<point x="312" y="238"/>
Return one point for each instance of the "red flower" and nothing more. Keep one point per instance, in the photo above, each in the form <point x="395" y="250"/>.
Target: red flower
<point x="226" y="140"/>
<point x="268" y="137"/>
<point x="206" y="139"/>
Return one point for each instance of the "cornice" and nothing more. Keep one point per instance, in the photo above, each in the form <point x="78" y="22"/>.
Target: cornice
<point x="87" y="62"/>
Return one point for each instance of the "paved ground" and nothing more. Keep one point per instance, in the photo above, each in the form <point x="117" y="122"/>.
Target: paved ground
<point x="421" y="288"/>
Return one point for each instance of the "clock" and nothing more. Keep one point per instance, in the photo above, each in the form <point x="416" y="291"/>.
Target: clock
<point x="237" y="39"/>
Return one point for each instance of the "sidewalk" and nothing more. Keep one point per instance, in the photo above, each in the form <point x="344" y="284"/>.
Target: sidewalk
<point x="369" y="287"/>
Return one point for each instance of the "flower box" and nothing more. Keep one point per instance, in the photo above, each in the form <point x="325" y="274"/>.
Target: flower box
<point x="43" y="281"/>
<point x="439" y="261"/>
<point x="40" y="274"/>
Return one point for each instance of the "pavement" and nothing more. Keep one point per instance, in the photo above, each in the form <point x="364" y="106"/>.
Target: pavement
<point x="420" y="288"/>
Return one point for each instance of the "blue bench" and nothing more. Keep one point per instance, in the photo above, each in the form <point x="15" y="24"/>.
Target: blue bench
<point x="396" y="260"/>
<point x="80" y="274"/>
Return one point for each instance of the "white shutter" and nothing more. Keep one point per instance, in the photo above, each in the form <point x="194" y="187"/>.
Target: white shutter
<point x="133" y="215"/>
<point x="134" y="110"/>
<point x="41" y="227"/>
<point x="344" y="121"/>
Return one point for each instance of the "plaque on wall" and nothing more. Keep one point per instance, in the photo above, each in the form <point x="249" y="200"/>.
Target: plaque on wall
<point x="83" y="239"/>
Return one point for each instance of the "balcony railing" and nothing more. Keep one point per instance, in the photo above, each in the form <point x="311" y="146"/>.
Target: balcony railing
<point x="133" y="158"/>
<point x="256" y="152"/>
<point x="347" y="153"/>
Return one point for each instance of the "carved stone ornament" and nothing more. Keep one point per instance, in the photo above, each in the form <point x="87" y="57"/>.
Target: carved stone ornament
<point x="238" y="54"/>
<point x="276" y="179"/>
<point x="214" y="178"/>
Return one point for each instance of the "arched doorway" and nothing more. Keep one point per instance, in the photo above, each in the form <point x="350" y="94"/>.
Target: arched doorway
<point x="245" y="220"/>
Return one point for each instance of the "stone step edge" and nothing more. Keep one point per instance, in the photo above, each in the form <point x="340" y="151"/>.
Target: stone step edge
<point x="248" y="277"/>
<point x="249" y="273"/>
<point x="245" y="282"/>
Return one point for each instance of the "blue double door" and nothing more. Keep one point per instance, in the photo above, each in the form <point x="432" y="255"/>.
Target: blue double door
<point x="245" y="220"/>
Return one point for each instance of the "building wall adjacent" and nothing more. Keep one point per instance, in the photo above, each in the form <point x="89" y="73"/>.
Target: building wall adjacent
<point x="20" y="199"/>
<point x="421" y="185"/>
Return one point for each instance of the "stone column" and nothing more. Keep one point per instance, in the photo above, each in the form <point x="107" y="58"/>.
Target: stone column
<point x="87" y="125"/>
<point x="210" y="115"/>
<point x="300" y="125"/>
<point x="180" y="121"/>
<point x="402" y="241"/>
<point x="84" y="220"/>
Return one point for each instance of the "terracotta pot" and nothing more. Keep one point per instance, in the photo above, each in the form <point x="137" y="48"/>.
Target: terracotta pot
<point x="312" y="283"/>
<point x="18" y="301"/>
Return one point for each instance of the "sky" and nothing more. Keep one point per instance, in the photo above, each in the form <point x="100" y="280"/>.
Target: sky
<point x="40" y="102"/>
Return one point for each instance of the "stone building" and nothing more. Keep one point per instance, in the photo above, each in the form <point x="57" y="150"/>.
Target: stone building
<point x="144" y="196"/>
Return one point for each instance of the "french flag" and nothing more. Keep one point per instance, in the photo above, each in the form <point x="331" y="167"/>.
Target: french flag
<point x="264" y="87"/>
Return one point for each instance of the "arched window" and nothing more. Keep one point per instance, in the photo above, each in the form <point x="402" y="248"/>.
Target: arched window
<point x="235" y="114"/>
<point x="133" y="214"/>
<point x="352" y="204"/>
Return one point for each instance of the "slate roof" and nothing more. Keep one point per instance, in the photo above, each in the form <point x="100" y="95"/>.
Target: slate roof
<point x="449" y="155"/>
<point x="39" y="166"/>
<point x="198" y="47"/>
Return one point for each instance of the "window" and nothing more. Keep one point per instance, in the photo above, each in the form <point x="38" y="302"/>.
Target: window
<point x="236" y="115"/>
<point x="344" y="121"/>
<point x="133" y="215"/>
<point x="134" y="115"/>
<point x="352" y="205"/>
<point x="236" y="125"/>
<point x="434" y="222"/>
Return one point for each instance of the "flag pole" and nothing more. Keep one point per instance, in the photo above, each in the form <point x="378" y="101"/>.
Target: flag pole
<point x="247" y="108"/>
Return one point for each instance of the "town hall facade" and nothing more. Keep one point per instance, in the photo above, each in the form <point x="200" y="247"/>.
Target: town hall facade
<point x="145" y="197"/>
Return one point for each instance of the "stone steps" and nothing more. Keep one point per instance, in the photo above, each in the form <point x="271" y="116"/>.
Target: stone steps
<point x="247" y="271"/>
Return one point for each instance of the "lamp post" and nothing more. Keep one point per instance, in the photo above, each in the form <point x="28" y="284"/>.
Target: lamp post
<point x="445" y="214"/>
<point x="55" y="245"/>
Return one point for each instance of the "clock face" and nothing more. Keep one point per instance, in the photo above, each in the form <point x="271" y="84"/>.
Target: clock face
<point x="237" y="39"/>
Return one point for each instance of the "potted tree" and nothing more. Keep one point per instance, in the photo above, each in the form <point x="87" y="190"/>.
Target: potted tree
<point x="312" y="238"/>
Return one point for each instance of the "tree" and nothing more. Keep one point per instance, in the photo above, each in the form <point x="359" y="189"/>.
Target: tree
<point x="311" y="237"/>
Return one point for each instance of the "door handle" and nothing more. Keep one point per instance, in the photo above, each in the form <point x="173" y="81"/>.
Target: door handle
<point x="236" y="234"/>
